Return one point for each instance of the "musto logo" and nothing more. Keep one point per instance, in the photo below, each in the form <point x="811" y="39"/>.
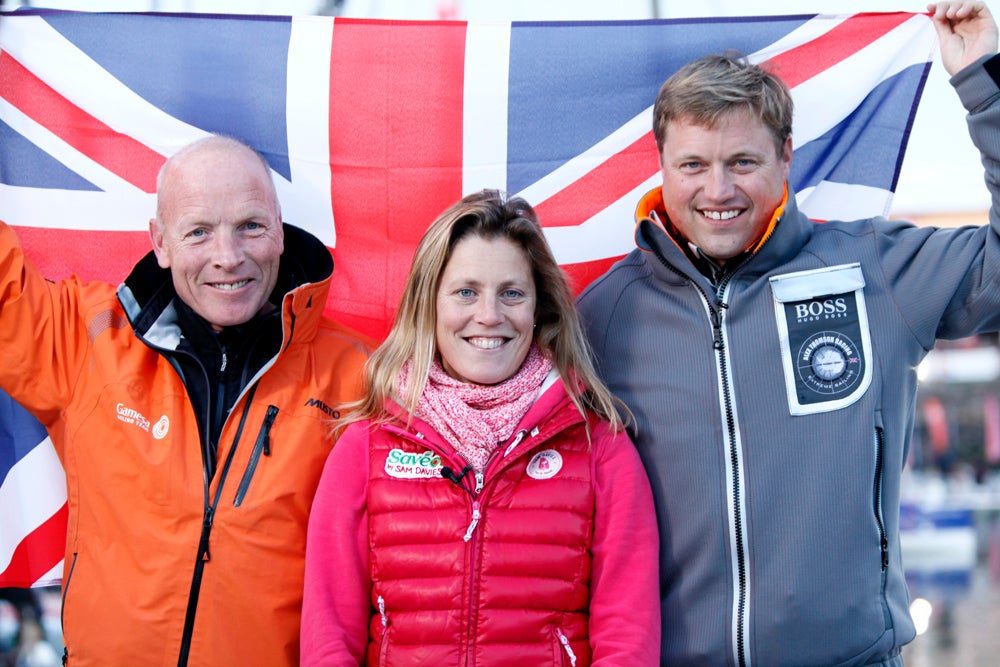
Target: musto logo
<point x="413" y="465"/>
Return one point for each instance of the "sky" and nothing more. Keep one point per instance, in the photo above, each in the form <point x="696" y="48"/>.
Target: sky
<point x="941" y="171"/>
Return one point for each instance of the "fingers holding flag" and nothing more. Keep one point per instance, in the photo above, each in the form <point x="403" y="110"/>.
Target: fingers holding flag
<point x="966" y="31"/>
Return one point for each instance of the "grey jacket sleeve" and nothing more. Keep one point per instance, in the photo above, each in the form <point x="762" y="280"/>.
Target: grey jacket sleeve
<point x="946" y="282"/>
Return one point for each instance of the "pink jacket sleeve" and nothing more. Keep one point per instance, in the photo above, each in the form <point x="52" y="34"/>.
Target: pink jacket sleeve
<point x="336" y="603"/>
<point x="625" y="589"/>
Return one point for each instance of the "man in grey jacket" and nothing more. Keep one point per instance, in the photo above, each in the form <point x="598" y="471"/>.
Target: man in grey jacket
<point x="769" y="362"/>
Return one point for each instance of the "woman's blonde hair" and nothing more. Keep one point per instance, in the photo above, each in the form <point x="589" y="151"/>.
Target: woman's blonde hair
<point x="489" y="214"/>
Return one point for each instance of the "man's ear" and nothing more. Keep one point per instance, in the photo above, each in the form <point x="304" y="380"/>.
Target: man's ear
<point x="156" y="239"/>
<point x="786" y="156"/>
<point x="281" y="229"/>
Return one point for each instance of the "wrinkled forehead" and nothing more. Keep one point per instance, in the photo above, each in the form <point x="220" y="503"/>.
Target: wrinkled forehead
<point x="216" y="178"/>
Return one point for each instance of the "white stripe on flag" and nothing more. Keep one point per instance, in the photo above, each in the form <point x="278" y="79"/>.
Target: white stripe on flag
<point x="75" y="210"/>
<point x="484" y="116"/>
<point x="37" y="485"/>
<point x="593" y="157"/>
<point x="72" y="73"/>
<point x="52" y="144"/>
<point x="306" y="200"/>
<point x="51" y="578"/>
<point x="609" y="233"/>
<point x="827" y="98"/>
<point x="843" y="201"/>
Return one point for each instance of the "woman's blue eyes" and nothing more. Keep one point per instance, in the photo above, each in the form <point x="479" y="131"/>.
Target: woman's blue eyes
<point x="469" y="293"/>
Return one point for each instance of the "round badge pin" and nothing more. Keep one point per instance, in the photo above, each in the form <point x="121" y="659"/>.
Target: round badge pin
<point x="545" y="464"/>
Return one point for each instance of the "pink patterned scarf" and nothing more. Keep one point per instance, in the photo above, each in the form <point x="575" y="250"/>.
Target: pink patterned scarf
<point x="476" y="418"/>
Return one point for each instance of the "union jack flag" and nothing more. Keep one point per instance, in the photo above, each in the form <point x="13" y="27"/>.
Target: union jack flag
<point x="373" y="127"/>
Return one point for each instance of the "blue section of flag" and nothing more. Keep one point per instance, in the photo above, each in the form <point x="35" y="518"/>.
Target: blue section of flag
<point x="19" y="434"/>
<point x="233" y="83"/>
<point x="876" y="125"/>
<point x="555" y="111"/>
<point x="25" y="164"/>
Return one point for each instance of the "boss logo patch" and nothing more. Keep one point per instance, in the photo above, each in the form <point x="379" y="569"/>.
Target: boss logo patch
<point x="824" y="337"/>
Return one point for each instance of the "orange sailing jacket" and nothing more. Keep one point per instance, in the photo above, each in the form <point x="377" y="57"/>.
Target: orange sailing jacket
<point x="162" y="563"/>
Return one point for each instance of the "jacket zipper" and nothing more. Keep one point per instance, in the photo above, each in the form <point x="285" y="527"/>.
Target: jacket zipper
<point x="716" y="312"/>
<point x="566" y="647"/>
<point x="383" y="645"/>
<point x="204" y="554"/>
<point x="741" y="599"/>
<point x="62" y="607"/>
<point x="208" y="473"/>
<point x="477" y="485"/>
<point x="261" y="446"/>
<point x="877" y="507"/>
<point x="470" y="537"/>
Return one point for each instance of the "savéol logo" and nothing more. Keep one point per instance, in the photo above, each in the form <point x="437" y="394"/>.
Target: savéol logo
<point x="130" y="416"/>
<point x="412" y="465"/>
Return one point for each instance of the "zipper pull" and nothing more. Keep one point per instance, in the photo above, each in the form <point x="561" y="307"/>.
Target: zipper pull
<point x="224" y="361"/>
<point x="272" y="412"/>
<point x="206" y="528"/>
<point x="566" y="646"/>
<point x="381" y="611"/>
<point x="476" y="514"/>
<point x="517" y="441"/>
<point x="716" y="317"/>
<point x="480" y="480"/>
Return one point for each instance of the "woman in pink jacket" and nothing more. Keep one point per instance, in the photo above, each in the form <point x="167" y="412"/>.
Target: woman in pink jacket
<point x="484" y="506"/>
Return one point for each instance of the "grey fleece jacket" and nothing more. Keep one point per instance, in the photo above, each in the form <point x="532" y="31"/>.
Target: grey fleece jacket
<point x="774" y="410"/>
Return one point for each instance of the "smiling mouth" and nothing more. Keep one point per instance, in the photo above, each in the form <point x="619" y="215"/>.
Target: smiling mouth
<point x="722" y="216"/>
<point x="230" y="286"/>
<point x="486" y="342"/>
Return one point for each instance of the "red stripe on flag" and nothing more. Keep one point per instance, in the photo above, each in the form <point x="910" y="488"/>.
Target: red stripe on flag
<point x="395" y="152"/>
<point x="116" y="152"/>
<point x="602" y="186"/>
<point x="806" y="61"/>
<point x="582" y="274"/>
<point x="90" y="255"/>
<point x="39" y="552"/>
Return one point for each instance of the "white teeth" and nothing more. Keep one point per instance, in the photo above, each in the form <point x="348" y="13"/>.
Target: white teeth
<point x="486" y="343"/>
<point x="721" y="215"/>
<point x="230" y="286"/>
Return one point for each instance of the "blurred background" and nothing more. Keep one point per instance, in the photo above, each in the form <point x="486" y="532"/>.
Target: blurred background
<point x="951" y="513"/>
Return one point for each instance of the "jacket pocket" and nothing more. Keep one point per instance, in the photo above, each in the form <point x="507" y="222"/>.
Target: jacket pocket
<point x="877" y="510"/>
<point x="823" y="333"/>
<point x="261" y="446"/>
<point x="879" y="515"/>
